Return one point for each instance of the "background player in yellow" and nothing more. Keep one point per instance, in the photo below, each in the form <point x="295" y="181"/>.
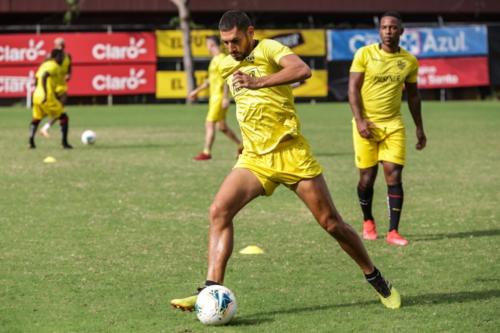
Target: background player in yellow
<point x="377" y="76"/>
<point x="259" y="73"/>
<point x="62" y="82"/>
<point x="218" y="101"/>
<point x="45" y="101"/>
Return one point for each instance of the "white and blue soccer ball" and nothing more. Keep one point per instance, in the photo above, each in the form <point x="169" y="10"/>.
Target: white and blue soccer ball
<point x="215" y="305"/>
<point x="88" y="137"/>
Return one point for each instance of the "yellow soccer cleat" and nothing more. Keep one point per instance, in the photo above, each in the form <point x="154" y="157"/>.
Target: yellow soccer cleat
<point x="185" y="304"/>
<point x="393" y="301"/>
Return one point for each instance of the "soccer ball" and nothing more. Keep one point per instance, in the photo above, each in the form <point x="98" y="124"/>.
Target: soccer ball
<point x="88" y="137"/>
<point x="215" y="305"/>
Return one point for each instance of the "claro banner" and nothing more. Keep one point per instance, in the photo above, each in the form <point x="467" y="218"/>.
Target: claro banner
<point x="304" y="42"/>
<point x="85" y="48"/>
<point x="87" y="80"/>
<point x="422" y="42"/>
<point x="453" y="72"/>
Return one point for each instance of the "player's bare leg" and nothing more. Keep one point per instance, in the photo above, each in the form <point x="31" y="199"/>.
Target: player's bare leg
<point x="314" y="192"/>
<point x="206" y="154"/>
<point x="239" y="188"/>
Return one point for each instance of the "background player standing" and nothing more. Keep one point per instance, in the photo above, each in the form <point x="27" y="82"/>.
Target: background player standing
<point x="218" y="101"/>
<point x="259" y="74"/>
<point x="376" y="80"/>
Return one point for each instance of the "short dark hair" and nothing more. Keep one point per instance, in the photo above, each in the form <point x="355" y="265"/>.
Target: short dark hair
<point x="56" y="53"/>
<point x="392" y="14"/>
<point x="215" y="39"/>
<point x="234" y="18"/>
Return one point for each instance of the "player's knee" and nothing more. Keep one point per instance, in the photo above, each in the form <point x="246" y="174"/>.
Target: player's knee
<point x="331" y="223"/>
<point x="222" y="128"/>
<point x="35" y="121"/>
<point x="218" y="213"/>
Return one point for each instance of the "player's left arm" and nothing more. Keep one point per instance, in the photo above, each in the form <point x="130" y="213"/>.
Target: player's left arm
<point x="293" y="70"/>
<point x="415" y="106"/>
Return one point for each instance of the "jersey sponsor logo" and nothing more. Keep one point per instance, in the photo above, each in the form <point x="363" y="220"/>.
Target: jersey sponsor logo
<point x="387" y="78"/>
<point x="31" y="52"/>
<point x="112" y="52"/>
<point x="115" y="83"/>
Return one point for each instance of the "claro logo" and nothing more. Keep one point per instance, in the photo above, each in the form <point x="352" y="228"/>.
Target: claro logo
<point x="109" y="82"/>
<point x="113" y="52"/>
<point x="30" y="53"/>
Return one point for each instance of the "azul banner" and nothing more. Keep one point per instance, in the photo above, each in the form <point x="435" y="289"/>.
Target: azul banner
<point x="422" y="42"/>
<point x="172" y="84"/>
<point x="307" y="42"/>
<point x="85" y="48"/>
<point x="453" y="72"/>
<point x="85" y="81"/>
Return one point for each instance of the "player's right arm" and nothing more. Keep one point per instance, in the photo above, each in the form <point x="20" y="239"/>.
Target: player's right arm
<point x="194" y="93"/>
<point x="355" y="83"/>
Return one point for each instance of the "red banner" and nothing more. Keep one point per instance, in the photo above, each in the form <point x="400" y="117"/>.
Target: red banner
<point x="86" y="80"/>
<point x="85" y="48"/>
<point x="453" y="72"/>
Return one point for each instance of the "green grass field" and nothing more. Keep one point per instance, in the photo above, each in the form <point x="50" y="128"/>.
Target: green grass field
<point x="101" y="240"/>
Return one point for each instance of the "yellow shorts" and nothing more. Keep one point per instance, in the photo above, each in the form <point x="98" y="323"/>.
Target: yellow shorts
<point x="290" y="162"/>
<point x="215" y="110"/>
<point x="52" y="108"/>
<point x="386" y="144"/>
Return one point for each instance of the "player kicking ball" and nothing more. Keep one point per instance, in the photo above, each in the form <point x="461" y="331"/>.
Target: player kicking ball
<point x="259" y="74"/>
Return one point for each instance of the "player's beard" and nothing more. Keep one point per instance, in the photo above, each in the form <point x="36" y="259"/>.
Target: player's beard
<point x="239" y="56"/>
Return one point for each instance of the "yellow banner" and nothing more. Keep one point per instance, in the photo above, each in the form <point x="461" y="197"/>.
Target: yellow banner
<point x="172" y="85"/>
<point x="303" y="42"/>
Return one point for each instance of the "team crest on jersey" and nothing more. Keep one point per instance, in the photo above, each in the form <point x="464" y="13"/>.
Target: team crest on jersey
<point x="401" y="64"/>
<point x="250" y="58"/>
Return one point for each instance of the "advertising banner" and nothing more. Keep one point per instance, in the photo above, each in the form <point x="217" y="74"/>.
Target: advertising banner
<point x="86" y="80"/>
<point x="85" y="48"/>
<point x="453" y="72"/>
<point x="422" y="42"/>
<point x="15" y="80"/>
<point x="303" y="42"/>
<point x="113" y="80"/>
<point x="172" y="85"/>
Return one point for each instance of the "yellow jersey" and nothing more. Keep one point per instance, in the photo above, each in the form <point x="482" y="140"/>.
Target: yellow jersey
<point x="265" y="115"/>
<point x="215" y="80"/>
<point x="385" y="75"/>
<point x="53" y="69"/>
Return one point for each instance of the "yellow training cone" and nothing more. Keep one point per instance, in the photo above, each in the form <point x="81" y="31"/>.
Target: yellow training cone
<point x="252" y="249"/>
<point x="49" y="159"/>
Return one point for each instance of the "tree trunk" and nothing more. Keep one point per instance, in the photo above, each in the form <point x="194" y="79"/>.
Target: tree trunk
<point x="184" y="16"/>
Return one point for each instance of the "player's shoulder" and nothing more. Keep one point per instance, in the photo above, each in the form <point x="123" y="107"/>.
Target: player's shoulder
<point x="270" y="45"/>
<point x="409" y="56"/>
<point x="366" y="49"/>
<point x="226" y="64"/>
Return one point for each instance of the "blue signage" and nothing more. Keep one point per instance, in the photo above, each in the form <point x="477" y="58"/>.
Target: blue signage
<point x="422" y="42"/>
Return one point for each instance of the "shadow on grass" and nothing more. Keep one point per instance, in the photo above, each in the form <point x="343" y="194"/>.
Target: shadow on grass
<point x="424" y="299"/>
<point x="467" y="234"/>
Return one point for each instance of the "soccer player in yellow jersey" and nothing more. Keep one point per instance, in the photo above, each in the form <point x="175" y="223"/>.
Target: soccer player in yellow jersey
<point x="45" y="101"/>
<point x="377" y="76"/>
<point x="259" y="73"/>
<point x="62" y="82"/>
<point x="218" y="101"/>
